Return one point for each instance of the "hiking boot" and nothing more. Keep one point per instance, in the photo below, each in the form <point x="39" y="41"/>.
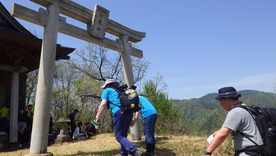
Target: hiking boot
<point x="137" y="153"/>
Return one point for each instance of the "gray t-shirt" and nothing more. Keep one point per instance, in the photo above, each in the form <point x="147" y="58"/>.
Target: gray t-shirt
<point x="239" y="119"/>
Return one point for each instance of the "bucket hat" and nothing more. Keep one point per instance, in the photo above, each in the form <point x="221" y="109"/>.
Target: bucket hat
<point x="227" y="92"/>
<point x="108" y="81"/>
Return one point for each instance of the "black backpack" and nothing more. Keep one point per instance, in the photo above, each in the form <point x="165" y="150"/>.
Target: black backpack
<point x="265" y="119"/>
<point x="129" y="99"/>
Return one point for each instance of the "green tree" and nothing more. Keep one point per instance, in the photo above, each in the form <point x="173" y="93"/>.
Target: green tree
<point x="31" y="84"/>
<point x="168" y="120"/>
<point x="64" y="99"/>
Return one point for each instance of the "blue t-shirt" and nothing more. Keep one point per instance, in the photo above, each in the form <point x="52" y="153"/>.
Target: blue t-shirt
<point x="111" y="95"/>
<point x="147" y="108"/>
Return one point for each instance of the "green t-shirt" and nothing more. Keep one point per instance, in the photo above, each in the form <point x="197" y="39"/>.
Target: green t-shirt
<point x="4" y="112"/>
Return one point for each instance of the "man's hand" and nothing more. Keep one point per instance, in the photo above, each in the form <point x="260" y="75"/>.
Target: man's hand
<point x="132" y="123"/>
<point x="219" y="137"/>
<point x="97" y="120"/>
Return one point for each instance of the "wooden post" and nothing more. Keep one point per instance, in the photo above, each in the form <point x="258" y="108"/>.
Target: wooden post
<point x="128" y="75"/>
<point x="39" y="139"/>
<point x="14" y="107"/>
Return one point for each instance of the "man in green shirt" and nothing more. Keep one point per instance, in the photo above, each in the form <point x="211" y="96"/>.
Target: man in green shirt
<point x="4" y="118"/>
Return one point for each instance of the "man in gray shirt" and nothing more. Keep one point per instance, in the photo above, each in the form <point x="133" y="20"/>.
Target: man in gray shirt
<point x="237" y="119"/>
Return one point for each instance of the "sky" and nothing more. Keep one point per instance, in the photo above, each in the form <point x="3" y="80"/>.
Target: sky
<point x="198" y="46"/>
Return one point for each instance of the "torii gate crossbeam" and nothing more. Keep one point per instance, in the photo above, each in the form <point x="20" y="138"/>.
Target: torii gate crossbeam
<point x="41" y="18"/>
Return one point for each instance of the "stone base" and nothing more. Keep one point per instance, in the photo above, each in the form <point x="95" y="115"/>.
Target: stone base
<point x="62" y="138"/>
<point x="41" y="154"/>
<point x="137" y="140"/>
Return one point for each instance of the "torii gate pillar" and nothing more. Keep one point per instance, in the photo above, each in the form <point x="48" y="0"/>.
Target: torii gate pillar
<point x="128" y="75"/>
<point x="45" y="85"/>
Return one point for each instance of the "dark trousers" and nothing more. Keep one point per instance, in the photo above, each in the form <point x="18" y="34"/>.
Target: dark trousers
<point x="121" y="124"/>
<point x="4" y="122"/>
<point x="252" y="151"/>
<point x="72" y="127"/>
<point x="149" y="128"/>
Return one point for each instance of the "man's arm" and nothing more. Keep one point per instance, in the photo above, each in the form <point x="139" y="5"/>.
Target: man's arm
<point x="100" y="110"/>
<point x="135" y="118"/>
<point x="219" y="137"/>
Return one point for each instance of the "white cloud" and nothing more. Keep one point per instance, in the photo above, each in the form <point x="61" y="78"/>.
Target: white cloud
<point x="263" y="82"/>
<point x="184" y="89"/>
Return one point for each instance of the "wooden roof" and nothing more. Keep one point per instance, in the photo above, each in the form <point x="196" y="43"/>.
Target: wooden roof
<point x="19" y="46"/>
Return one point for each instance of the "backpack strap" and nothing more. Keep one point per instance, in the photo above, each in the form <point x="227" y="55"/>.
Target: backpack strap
<point x="114" y="104"/>
<point x="109" y="102"/>
<point x="250" y="112"/>
<point x="243" y="134"/>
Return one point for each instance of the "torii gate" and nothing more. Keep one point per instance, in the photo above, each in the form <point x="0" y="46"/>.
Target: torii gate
<point x="97" y="25"/>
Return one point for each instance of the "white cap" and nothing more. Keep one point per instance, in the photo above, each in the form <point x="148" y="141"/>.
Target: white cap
<point x="108" y="81"/>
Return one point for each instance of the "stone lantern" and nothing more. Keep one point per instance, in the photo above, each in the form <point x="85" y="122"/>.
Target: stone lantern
<point x="63" y="134"/>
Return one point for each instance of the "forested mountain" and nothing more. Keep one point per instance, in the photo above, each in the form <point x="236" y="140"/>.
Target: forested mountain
<point x="204" y="115"/>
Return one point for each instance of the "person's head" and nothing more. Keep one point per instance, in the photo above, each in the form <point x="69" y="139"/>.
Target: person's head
<point x="76" y="111"/>
<point x="110" y="83"/>
<point x="30" y="107"/>
<point x="87" y="124"/>
<point x="21" y="111"/>
<point x="79" y="124"/>
<point x="228" y="96"/>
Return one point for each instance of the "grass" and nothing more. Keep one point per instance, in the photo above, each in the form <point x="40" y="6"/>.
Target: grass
<point x="106" y="145"/>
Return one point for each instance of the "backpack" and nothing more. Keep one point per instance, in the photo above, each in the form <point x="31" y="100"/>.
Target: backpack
<point x="129" y="99"/>
<point x="265" y="119"/>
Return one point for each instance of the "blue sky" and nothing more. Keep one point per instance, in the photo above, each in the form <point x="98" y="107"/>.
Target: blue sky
<point x="198" y="46"/>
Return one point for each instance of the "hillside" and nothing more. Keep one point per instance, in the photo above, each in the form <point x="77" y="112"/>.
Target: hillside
<point x="204" y="115"/>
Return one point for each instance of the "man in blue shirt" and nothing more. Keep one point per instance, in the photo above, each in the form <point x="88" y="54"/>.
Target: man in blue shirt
<point x="121" y="121"/>
<point x="149" y="117"/>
